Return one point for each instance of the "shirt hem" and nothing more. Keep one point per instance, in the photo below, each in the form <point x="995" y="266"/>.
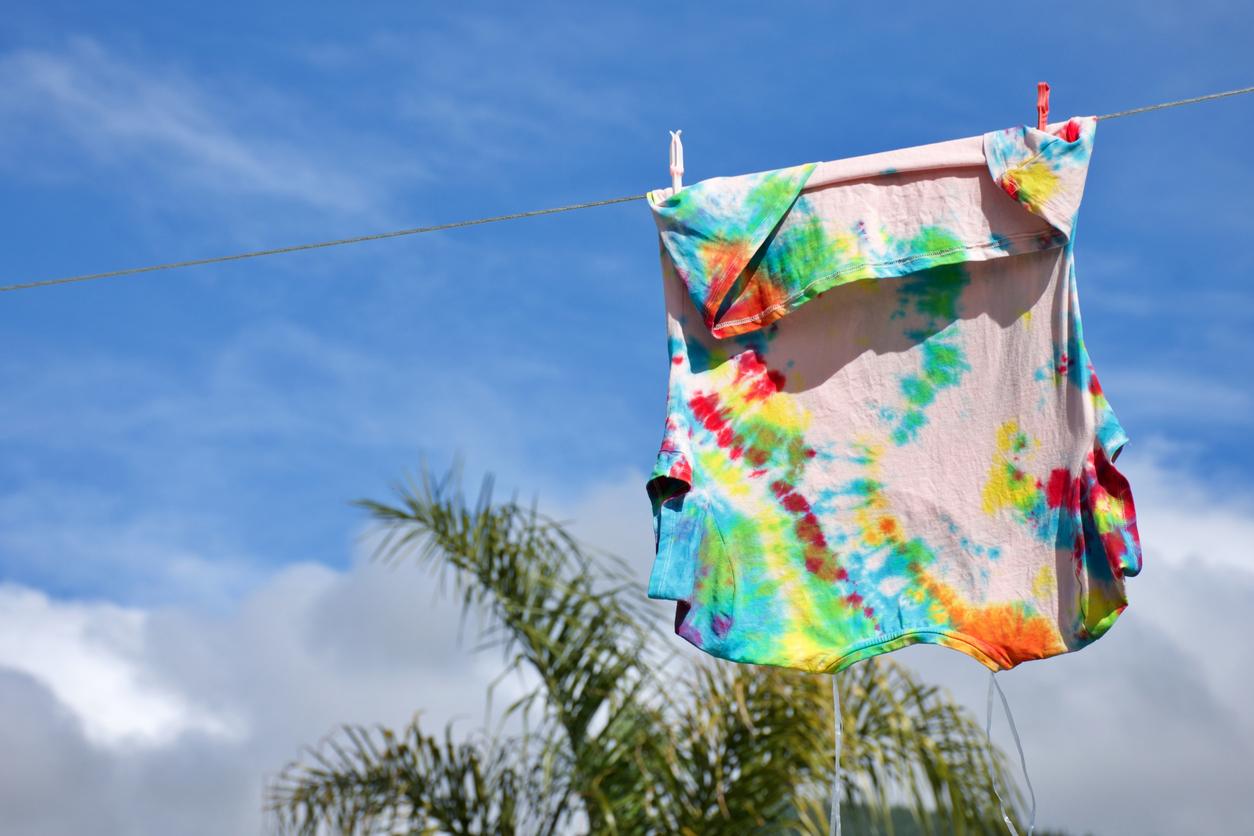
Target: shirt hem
<point x="961" y="642"/>
<point x="894" y="268"/>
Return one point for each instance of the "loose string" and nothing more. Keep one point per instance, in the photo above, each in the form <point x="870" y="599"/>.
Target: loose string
<point x="1014" y="731"/>
<point x="419" y="230"/>
<point x="833" y="826"/>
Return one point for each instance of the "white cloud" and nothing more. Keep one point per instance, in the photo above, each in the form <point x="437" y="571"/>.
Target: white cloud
<point x="1149" y="730"/>
<point x="183" y="135"/>
<point x="1146" y="732"/>
<point x="1186" y="520"/>
<point x="88" y="656"/>
<point x="172" y="720"/>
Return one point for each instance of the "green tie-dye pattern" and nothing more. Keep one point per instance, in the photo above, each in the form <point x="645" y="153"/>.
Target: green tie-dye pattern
<point x="933" y="297"/>
<point x="943" y="366"/>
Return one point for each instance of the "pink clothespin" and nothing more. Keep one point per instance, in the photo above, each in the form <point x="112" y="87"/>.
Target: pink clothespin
<point x="677" y="161"/>
<point x="1042" y="105"/>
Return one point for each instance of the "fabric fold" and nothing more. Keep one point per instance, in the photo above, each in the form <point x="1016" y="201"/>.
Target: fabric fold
<point x="1044" y="170"/>
<point x="715" y="230"/>
<point x="750" y="249"/>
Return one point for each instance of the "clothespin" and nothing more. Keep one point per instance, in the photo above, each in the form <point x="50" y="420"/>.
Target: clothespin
<point x="677" y="161"/>
<point x="1042" y="105"/>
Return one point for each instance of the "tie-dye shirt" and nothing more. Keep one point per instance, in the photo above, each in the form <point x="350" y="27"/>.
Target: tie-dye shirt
<point x="882" y="424"/>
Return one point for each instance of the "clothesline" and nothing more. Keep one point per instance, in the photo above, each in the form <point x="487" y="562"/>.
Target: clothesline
<point x="378" y="236"/>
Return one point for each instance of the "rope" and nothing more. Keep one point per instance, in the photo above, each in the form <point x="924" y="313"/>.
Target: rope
<point x="131" y="271"/>
<point x="1208" y="97"/>
<point x="418" y="230"/>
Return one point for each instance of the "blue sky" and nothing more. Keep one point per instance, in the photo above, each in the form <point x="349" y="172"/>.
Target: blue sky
<point x="179" y="444"/>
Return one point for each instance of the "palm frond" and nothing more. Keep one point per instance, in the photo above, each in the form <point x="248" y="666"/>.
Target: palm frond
<point x="621" y="741"/>
<point x="552" y="610"/>
<point x="904" y="737"/>
<point x="365" y="781"/>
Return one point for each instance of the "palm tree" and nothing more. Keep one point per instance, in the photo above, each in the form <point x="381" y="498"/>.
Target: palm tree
<point x="619" y="737"/>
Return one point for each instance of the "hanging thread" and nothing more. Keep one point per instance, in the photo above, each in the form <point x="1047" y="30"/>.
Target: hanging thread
<point x="1014" y="731"/>
<point x="833" y="825"/>
<point x="419" y="230"/>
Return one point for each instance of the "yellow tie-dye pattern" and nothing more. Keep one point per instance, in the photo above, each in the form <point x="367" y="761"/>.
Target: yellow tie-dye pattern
<point x="873" y="511"/>
<point x="810" y="628"/>
<point x="808" y="648"/>
<point x="1036" y="182"/>
<point x="1108" y="512"/>
<point x="1045" y="584"/>
<point x="718" y="469"/>
<point x="1009" y="485"/>
<point x="814" y="629"/>
<point x="878" y="526"/>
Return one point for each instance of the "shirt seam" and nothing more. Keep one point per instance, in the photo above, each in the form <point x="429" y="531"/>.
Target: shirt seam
<point x="970" y="641"/>
<point x="896" y="261"/>
<point x="760" y="233"/>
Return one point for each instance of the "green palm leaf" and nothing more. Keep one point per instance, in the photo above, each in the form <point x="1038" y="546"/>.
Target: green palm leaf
<point x="620" y="737"/>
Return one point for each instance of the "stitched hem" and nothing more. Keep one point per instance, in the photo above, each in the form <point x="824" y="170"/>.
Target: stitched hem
<point x="961" y="642"/>
<point x="664" y="461"/>
<point x="1115" y="443"/>
<point x="965" y="644"/>
<point x="827" y="281"/>
<point x="674" y="548"/>
<point x="1105" y="623"/>
<point x="660" y="584"/>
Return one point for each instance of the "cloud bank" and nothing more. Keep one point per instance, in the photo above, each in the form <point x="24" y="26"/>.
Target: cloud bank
<point x="171" y="719"/>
